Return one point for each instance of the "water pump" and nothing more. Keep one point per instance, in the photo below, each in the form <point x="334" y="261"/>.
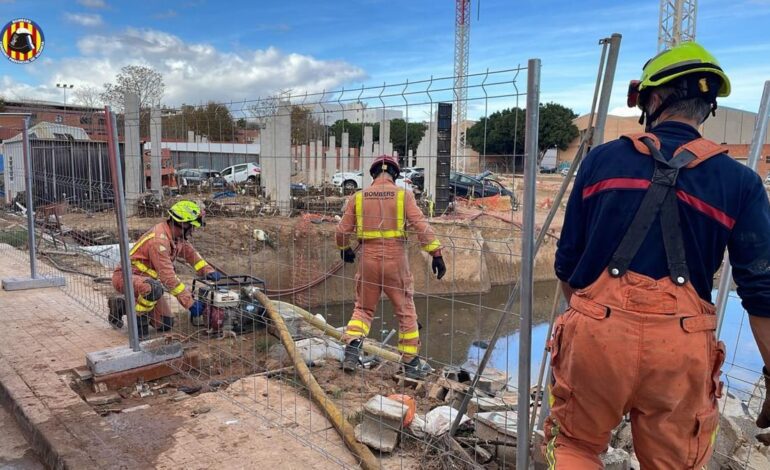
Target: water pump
<point x="228" y="308"/>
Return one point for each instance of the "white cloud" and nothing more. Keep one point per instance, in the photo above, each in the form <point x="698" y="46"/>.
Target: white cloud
<point x="194" y="73"/>
<point x="625" y="111"/>
<point x="84" y="19"/>
<point x="93" y="3"/>
<point x="164" y="15"/>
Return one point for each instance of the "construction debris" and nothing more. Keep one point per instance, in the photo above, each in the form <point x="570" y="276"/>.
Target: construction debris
<point x="382" y="422"/>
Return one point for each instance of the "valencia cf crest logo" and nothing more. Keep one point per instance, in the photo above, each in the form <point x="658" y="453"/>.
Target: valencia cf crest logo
<point x="22" y="41"/>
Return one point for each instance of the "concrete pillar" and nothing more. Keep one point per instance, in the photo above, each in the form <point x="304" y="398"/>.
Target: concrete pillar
<point x="432" y="166"/>
<point x="277" y="150"/>
<point x="376" y="149"/>
<point x="303" y="159"/>
<point x="331" y="158"/>
<point x="191" y="136"/>
<point x="366" y="156"/>
<point x="311" y="165"/>
<point x="384" y="138"/>
<point x="134" y="170"/>
<point x="345" y="162"/>
<point x="284" y="161"/>
<point x="409" y="157"/>
<point x="319" y="170"/>
<point x="267" y="156"/>
<point x="155" y="153"/>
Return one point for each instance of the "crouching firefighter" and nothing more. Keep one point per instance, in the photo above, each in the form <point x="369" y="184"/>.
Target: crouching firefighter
<point x="379" y="217"/>
<point x="645" y="231"/>
<point x="152" y="269"/>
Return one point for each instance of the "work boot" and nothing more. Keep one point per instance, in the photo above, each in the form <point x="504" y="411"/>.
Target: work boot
<point x="143" y="327"/>
<point x="416" y="369"/>
<point x="763" y="420"/>
<point x="166" y="324"/>
<point x="352" y="355"/>
<point x="117" y="308"/>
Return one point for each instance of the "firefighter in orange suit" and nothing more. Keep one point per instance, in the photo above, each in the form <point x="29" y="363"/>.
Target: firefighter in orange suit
<point x="152" y="262"/>
<point x="379" y="217"/>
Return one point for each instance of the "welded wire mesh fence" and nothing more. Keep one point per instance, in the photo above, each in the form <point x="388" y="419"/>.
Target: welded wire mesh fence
<point x="72" y="195"/>
<point x="275" y="176"/>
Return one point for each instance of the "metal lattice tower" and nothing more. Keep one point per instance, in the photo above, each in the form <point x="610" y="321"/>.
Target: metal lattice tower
<point x="462" y="42"/>
<point x="677" y="22"/>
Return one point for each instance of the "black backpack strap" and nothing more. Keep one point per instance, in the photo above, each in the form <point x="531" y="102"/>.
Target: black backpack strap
<point x="660" y="198"/>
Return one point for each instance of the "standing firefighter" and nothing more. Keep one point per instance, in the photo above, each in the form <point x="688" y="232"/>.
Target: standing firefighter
<point x="152" y="263"/>
<point x="379" y="217"/>
<point x="645" y="231"/>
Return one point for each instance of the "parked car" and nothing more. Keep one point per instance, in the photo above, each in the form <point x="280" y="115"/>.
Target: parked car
<point x="467" y="186"/>
<point x="244" y="172"/>
<point x="411" y="171"/>
<point x="548" y="164"/>
<point x="564" y="168"/>
<point x="198" y="176"/>
<point x="351" y="181"/>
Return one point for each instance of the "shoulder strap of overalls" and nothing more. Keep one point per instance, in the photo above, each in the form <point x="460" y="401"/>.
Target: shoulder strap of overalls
<point x="660" y="198"/>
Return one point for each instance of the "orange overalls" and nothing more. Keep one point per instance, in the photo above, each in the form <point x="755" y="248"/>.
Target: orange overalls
<point x="152" y="258"/>
<point x="630" y="344"/>
<point x="378" y="217"/>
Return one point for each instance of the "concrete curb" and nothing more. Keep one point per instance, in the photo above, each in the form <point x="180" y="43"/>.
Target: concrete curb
<point x="11" y="386"/>
<point x="60" y="437"/>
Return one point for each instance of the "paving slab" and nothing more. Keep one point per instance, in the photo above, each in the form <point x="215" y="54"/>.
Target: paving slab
<point x="45" y="332"/>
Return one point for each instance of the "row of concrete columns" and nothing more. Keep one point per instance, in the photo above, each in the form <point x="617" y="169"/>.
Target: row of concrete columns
<point x="279" y="161"/>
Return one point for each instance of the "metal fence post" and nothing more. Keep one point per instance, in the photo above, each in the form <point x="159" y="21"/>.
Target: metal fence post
<point x="31" y="239"/>
<point x="120" y="214"/>
<point x="758" y="139"/>
<point x="528" y="260"/>
<point x="609" y="77"/>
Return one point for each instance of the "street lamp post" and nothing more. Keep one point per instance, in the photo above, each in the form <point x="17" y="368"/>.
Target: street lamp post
<point x="64" y="86"/>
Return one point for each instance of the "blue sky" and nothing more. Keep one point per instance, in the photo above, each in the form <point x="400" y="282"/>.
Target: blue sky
<point x="235" y="50"/>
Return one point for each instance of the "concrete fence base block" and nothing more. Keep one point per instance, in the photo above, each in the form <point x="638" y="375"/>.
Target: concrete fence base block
<point x="123" y="358"/>
<point x="20" y="283"/>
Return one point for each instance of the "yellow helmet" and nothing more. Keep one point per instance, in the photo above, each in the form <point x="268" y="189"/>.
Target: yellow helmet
<point x="688" y="67"/>
<point x="685" y="59"/>
<point x="187" y="212"/>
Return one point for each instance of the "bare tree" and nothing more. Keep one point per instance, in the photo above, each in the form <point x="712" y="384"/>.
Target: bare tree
<point x="88" y="96"/>
<point x="144" y="81"/>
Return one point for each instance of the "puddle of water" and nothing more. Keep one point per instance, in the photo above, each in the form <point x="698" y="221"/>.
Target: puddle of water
<point x="743" y="364"/>
<point x="473" y="319"/>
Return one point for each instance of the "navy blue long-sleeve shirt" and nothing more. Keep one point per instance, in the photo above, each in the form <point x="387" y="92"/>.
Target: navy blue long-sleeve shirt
<point x="722" y="203"/>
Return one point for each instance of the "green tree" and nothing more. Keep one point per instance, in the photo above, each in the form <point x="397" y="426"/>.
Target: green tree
<point x="504" y="130"/>
<point x="305" y="125"/>
<point x="354" y="130"/>
<point x="398" y="135"/>
<point x="213" y="120"/>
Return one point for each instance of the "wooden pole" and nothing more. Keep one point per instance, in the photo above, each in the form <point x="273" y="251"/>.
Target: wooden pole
<point x="368" y="460"/>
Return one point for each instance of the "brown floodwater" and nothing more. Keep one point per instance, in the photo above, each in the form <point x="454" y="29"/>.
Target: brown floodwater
<point x="456" y="329"/>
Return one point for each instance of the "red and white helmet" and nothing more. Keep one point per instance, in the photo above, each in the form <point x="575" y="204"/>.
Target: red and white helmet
<point x="385" y="163"/>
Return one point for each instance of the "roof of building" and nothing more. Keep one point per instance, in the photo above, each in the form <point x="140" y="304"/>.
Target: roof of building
<point x="52" y="131"/>
<point x="47" y="104"/>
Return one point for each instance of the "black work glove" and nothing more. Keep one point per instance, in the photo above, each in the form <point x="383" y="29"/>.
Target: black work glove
<point x="438" y="266"/>
<point x="348" y="255"/>
<point x="763" y="420"/>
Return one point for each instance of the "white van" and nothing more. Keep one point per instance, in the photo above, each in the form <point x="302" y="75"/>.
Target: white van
<point x="242" y="172"/>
